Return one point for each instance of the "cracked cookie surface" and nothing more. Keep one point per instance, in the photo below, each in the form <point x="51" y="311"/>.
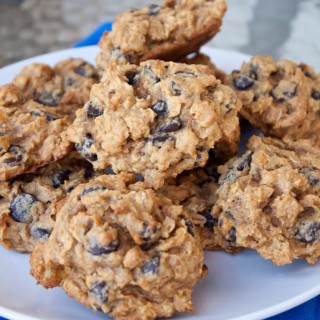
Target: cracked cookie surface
<point x="122" y="249"/>
<point x="168" y="31"/>
<point x="28" y="203"/>
<point x="157" y="119"/>
<point x="30" y="133"/>
<point x="274" y="94"/>
<point x="64" y="87"/>
<point x="268" y="200"/>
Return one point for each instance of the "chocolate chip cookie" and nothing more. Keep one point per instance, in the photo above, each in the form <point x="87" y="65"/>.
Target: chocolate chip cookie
<point x="30" y="133"/>
<point x="157" y="119"/>
<point x="123" y="250"/>
<point x="268" y="200"/>
<point x="274" y="95"/>
<point x="64" y="87"/>
<point x="168" y="31"/>
<point x="28" y="203"/>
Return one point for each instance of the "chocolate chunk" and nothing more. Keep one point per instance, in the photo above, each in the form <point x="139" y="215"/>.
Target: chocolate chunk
<point x="139" y="177"/>
<point x="21" y="207"/>
<point x="98" y="250"/>
<point x="108" y="170"/>
<point x="312" y="175"/>
<point x="245" y="161"/>
<point x="49" y="117"/>
<point x="131" y="77"/>
<point x="174" y="125"/>
<point x="231" y="235"/>
<point x="283" y="94"/>
<point x="60" y="177"/>
<point x="84" y="148"/>
<point x="94" y="111"/>
<point x="308" y="231"/>
<point x="92" y="189"/>
<point x="190" y="227"/>
<point x="152" y="266"/>
<point x="48" y="98"/>
<point x="160" y="108"/>
<point x="210" y="221"/>
<point x="150" y="234"/>
<point x="154" y="9"/>
<point x="159" y="137"/>
<point x="243" y="83"/>
<point x="315" y="94"/>
<point x="17" y="156"/>
<point x="39" y="233"/>
<point x="85" y="70"/>
<point x="99" y="291"/>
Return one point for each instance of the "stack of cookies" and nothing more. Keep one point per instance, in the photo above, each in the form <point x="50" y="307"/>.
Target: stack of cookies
<point x="117" y="179"/>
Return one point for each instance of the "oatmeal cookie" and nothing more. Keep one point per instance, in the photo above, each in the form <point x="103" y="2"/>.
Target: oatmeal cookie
<point x="64" y="87"/>
<point x="268" y="200"/>
<point x="274" y="94"/>
<point x="157" y="119"/>
<point x="30" y="133"/>
<point x="168" y="31"/>
<point x="28" y="202"/>
<point x="123" y="250"/>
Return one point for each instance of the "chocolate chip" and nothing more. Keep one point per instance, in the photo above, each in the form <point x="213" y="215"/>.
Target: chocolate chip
<point x="1" y="197"/>
<point x="175" y="89"/>
<point x="245" y="161"/>
<point x="149" y="235"/>
<point x="60" y="177"/>
<point x="99" y="291"/>
<point x="131" y="77"/>
<point x="48" y="98"/>
<point x="21" y="207"/>
<point x="310" y="175"/>
<point x="152" y="266"/>
<point x="159" y="137"/>
<point x="190" y="228"/>
<point x="98" y="250"/>
<point x="17" y="156"/>
<point x="108" y="170"/>
<point x="139" y="177"/>
<point x="86" y="70"/>
<point x="94" y="111"/>
<point x="154" y="9"/>
<point x="210" y="221"/>
<point x="92" y="189"/>
<point x="308" y="231"/>
<point x="116" y="52"/>
<point x="49" y="117"/>
<point x="174" y="125"/>
<point x="84" y="148"/>
<point x="283" y="94"/>
<point x="231" y="235"/>
<point x="315" y="94"/>
<point x="243" y="83"/>
<point x="160" y="108"/>
<point x="39" y="233"/>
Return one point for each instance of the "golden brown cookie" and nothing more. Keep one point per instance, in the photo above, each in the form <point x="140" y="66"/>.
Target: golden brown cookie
<point x="123" y="250"/>
<point x="268" y="200"/>
<point x="157" y="119"/>
<point x="168" y="31"/>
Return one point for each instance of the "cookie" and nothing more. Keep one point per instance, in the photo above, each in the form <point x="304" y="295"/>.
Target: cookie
<point x="30" y="133"/>
<point x="309" y="128"/>
<point x="168" y="31"/>
<point x="157" y="119"/>
<point x="268" y="200"/>
<point x="196" y="190"/>
<point x="65" y="87"/>
<point x="123" y="250"/>
<point x="274" y="94"/>
<point x="28" y="203"/>
<point x="203" y="59"/>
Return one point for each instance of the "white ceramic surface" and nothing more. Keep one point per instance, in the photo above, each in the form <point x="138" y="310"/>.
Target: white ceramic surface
<point x="238" y="287"/>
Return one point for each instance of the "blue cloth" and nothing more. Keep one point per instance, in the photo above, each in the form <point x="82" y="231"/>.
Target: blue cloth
<point x="309" y="310"/>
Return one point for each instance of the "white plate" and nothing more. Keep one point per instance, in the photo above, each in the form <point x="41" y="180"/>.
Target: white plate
<point x="238" y="287"/>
